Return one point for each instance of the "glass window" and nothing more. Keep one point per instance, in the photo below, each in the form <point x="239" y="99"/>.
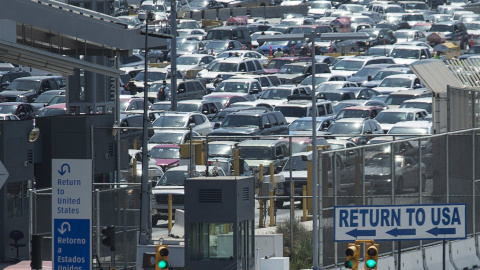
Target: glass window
<point x="17" y="199"/>
<point x="210" y="241"/>
<point x="250" y="66"/>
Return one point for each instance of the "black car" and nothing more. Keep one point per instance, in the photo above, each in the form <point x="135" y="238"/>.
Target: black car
<point x="455" y="32"/>
<point x="8" y="77"/>
<point x="27" y="89"/>
<point x="252" y="123"/>
<point x="24" y="111"/>
<point x="378" y="36"/>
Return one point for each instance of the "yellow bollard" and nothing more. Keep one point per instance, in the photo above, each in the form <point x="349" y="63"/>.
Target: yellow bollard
<point x="135" y="144"/>
<point x="236" y="162"/>
<point x="272" y="220"/>
<point x="272" y="201"/>
<point x="134" y="170"/>
<point x="260" y="181"/>
<point x="170" y="215"/>
<point x="304" y="218"/>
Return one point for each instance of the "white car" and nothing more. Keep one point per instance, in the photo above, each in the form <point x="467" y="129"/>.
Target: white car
<point x="192" y="62"/>
<point x="406" y="55"/>
<point x="394" y="83"/>
<point x="245" y="54"/>
<point x="182" y="120"/>
<point x="170" y="136"/>
<point x="388" y="118"/>
<point x="318" y="8"/>
<point x="248" y="88"/>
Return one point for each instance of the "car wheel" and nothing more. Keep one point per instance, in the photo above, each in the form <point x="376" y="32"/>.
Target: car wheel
<point x="399" y="189"/>
<point x="154" y="221"/>
<point x="279" y="204"/>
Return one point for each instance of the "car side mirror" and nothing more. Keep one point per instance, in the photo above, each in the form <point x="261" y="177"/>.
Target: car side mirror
<point x="380" y="36"/>
<point x="216" y="125"/>
<point x="267" y="125"/>
<point x="254" y="91"/>
<point x="205" y="112"/>
<point x="368" y="132"/>
<point x="369" y="78"/>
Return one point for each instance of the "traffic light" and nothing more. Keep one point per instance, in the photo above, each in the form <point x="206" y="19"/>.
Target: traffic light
<point x="161" y="257"/>
<point x="353" y="256"/>
<point x="109" y="237"/>
<point x="371" y="256"/>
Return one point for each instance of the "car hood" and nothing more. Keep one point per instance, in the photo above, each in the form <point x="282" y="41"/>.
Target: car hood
<point x="174" y="190"/>
<point x="290" y="119"/>
<point x="386" y="127"/>
<point x="233" y="131"/>
<point x="347" y="73"/>
<point x="257" y="162"/>
<point x="377" y="170"/>
<point x="295" y="174"/>
<point x="289" y="75"/>
<point x="320" y="11"/>
<point x="271" y="102"/>
<point x="473" y="32"/>
<point x="404" y="61"/>
<point x="358" y="80"/>
<point x="165" y="162"/>
<point x="371" y="84"/>
<point x="15" y="93"/>
<point x="271" y="70"/>
<point x="389" y="89"/>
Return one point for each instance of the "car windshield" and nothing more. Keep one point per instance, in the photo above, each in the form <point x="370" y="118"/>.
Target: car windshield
<point x="217" y="45"/>
<point x="188" y="60"/>
<point x="441" y="28"/>
<point x="353" y="114"/>
<point x="379" y="51"/>
<point x="292" y="111"/>
<point x="323" y="5"/>
<point x="379" y="161"/>
<point x="472" y="26"/>
<point x="407" y="34"/>
<point x="346" y="128"/>
<point x="328" y="87"/>
<point x="393" y="10"/>
<point x="161" y="106"/>
<point x="418" y="105"/>
<point x="224" y="67"/>
<point x="275" y="43"/>
<point x="396" y="82"/>
<point x="166" y="138"/>
<point x="291" y="69"/>
<point x="318" y="80"/>
<point x="365" y="72"/>
<point x="235" y="87"/>
<point x="408" y="130"/>
<point x="187" y="107"/>
<point x="44" y="98"/>
<point x="241" y="121"/>
<point x="173" y="178"/>
<point x="198" y="4"/>
<point x="220" y="116"/>
<point x="170" y="121"/>
<point x="413" y="17"/>
<point x="152" y="76"/>
<point x="397" y="99"/>
<point x="405" y="54"/>
<point x="332" y="96"/>
<point x="50" y="112"/>
<point x="186" y="46"/>
<point x="393" y="117"/>
<point x="220" y="150"/>
<point x="17" y="85"/>
<point x="302" y="125"/>
<point x="276" y="64"/>
<point x="422" y="27"/>
<point x="302" y="30"/>
<point x="383" y="74"/>
<point x="222" y="100"/>
<point x="256" y="152"/>
<point x="348" y="65"/>
<point x="298" y="164"/>
<point x="275" y="93"/>
<point x="165" y="153"/>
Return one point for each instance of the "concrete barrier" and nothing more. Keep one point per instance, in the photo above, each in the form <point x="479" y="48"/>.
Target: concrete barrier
<point x="273" y="12"/>
<point x="434" y="258"/>
<point x="464" y="254"/>
<point x="210" y="14"/>
<point x="241" y="11"/>
<point x="412" y="260"/>
<point x="196" y="15"/>
<point x="257" y="11"/>
<point x="386" y="263"/>
<point x="178" y="229"/>
<point x="223" y="14"/>
<point x="278" y="11"/>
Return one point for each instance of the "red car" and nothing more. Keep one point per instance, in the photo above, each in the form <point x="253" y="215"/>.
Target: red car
<point x="165" y="155"/>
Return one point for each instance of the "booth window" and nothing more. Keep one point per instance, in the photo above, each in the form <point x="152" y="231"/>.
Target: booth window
<point x="17" y="199"/>
<point x="210" y="241"/>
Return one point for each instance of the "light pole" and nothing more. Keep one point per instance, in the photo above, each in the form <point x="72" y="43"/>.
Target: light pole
<point x="145" y="219"/>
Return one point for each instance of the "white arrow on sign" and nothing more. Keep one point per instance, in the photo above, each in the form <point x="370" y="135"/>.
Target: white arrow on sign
<point x="3" y="174"/>
<point x="62" y="229"/>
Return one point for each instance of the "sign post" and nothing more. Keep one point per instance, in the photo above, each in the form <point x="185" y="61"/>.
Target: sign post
<point x="400" y="222"/>
<point x="72" y="213"/>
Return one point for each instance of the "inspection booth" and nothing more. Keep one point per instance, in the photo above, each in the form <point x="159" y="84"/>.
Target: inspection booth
<point x="219" y="223"/>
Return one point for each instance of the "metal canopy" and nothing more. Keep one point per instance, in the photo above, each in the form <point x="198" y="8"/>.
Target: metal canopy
<point x="36" y="58"/>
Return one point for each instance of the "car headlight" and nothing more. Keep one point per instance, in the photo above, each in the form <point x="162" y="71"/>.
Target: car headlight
<point x="367" y="43"/>
<point x="21" y="99"/>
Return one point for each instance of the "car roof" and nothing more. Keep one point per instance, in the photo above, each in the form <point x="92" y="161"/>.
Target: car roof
<point x="366" y="108"/>
<point x="420" y="123"/>
<point x="241" y="80"/>
<point x="420" y="100"/>
<point x="402" y="76"/>
<point x="354" y="120"/>
<point x="403" y="110"/>
<point x="260" y="142"/>
<point x="169" y="145"/>
<point x="410" y="92"/>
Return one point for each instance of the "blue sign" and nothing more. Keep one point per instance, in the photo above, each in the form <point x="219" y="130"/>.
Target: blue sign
<point x="72" y="213"/>
<point x="400" y="222"/>
<point x="72" y="239"/>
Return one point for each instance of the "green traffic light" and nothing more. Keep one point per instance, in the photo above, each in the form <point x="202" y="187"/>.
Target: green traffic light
<point x="348" y="264"/>
<point x="163" y="264"/>
<point x="371" y="263"/>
